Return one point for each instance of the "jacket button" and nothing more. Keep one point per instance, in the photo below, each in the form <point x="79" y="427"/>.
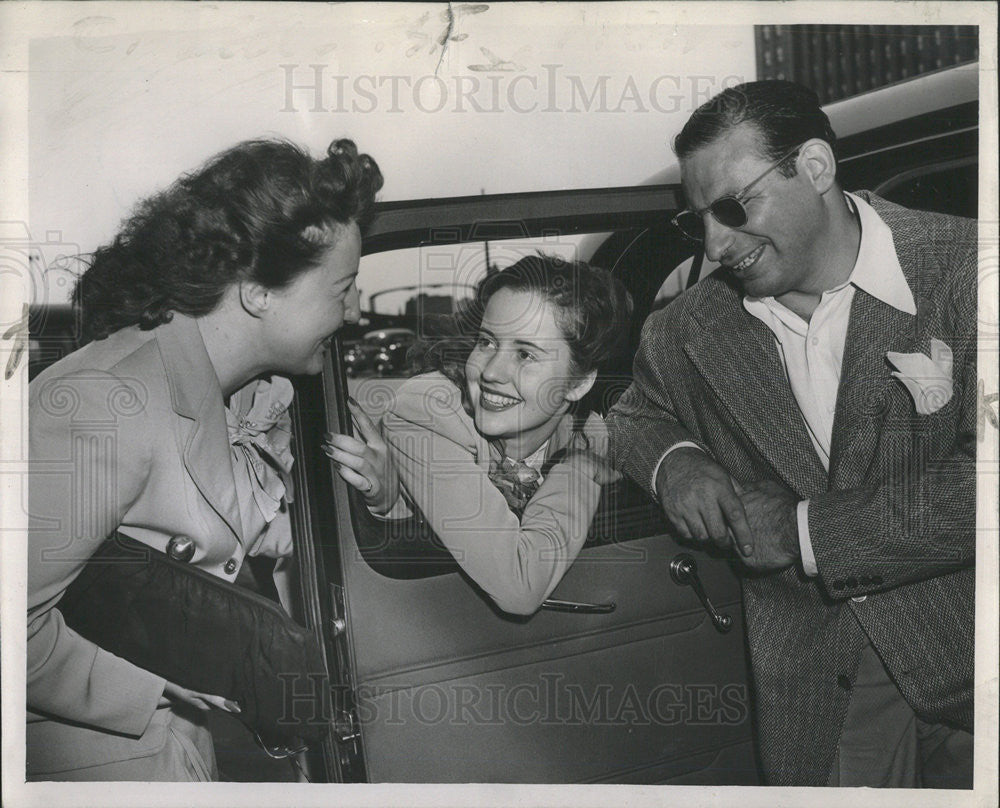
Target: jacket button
<point x="877" y="580"/>
<point x="181" y="548"/>
<point x="852" y="582"/>
<point x="860" y="599"/>
<point x="230" y="567"/>
<point x="844" y="682"/>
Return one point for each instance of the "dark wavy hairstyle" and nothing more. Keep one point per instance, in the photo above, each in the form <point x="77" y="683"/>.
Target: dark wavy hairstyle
<point x="784" y="113"/>
<point x="592" y="309"/>
<point x="264" y="210"/>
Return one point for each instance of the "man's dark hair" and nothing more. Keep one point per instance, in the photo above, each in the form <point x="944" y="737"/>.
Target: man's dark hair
<point x="784" y="113"/>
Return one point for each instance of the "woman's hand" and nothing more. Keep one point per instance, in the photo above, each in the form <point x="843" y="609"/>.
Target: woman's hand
<point x="365" y="463"/>
<point x="175" y="694"/>
<point x="591" y="465"/>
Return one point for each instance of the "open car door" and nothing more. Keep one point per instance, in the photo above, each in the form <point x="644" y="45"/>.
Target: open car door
<point x="627" y="677"/>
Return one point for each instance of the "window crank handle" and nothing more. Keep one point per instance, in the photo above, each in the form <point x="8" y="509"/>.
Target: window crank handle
<point x="684" y="571"/>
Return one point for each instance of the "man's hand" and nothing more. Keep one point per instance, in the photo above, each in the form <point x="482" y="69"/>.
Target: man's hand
<point x="700" y="501"/>
<point x="771" y="511"/>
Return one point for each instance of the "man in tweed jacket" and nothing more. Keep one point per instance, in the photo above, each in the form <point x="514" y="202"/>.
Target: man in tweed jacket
<point x="812" y="406"/>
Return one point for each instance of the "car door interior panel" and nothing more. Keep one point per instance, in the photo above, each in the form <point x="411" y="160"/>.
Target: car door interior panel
<point x="445" y="682"/>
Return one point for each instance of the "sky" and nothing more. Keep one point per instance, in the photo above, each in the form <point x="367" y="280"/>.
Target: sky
<point x="512" y="97"/>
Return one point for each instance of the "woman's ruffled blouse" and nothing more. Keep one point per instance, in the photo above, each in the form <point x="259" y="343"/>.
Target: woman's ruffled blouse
<point x="260" y="439"/>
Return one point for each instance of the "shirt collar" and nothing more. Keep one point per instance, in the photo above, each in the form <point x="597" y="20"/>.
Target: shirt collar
<point x="877" y="270"/>
<point x="537" y="458"/>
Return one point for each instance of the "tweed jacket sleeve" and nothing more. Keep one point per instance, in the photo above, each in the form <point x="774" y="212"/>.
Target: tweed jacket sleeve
<point x="901" y="505"/>
<point x="643" y="424"/>
<point x="443" y="465"/>
<point x="89" y="449"/>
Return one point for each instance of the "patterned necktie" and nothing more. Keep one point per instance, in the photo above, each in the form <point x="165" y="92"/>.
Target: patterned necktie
<point x="516" y="480"/>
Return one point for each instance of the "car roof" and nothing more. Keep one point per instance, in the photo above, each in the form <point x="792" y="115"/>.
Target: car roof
<point x="477" y="218"/>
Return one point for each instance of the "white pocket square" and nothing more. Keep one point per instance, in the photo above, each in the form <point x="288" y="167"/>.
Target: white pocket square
<point x="928" y="378"/>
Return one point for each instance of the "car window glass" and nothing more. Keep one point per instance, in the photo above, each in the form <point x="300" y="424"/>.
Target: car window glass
<point x="950" y="187"/>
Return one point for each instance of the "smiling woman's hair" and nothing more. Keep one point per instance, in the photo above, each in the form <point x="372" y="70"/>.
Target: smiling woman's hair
<point x="263" y="210"/>
<point x="591" y="307"/>
<point x="784" y="113"/>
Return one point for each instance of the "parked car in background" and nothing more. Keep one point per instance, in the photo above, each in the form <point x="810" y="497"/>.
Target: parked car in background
<point x="391" y="357"/>
<point x="358" y="356"/>
<point x="631" y="677"/>
<point x="381" y="352"/>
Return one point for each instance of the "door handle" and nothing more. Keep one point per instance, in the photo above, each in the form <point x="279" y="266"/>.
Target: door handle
<point x="684" y="571"/>
<point x="555" y="605"/>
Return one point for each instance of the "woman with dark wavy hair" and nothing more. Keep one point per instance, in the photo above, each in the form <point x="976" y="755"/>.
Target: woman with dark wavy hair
<point x="495" y="445"/>
<point x="171" y="427"/>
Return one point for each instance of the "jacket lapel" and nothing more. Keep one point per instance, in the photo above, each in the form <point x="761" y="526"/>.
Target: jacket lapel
<point x="865" y="384"/>
<point x="737" y="356"/>
<point x="866" y="380"/>
<point x="195" y="394"/>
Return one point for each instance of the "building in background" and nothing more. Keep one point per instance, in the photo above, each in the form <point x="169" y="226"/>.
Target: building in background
<point x="838" y="61"/>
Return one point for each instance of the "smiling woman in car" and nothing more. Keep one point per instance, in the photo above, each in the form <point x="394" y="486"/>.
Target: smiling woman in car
<point x="494" y="444"/>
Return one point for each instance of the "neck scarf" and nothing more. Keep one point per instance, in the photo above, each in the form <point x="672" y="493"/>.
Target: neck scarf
<point x="516" y="480"/>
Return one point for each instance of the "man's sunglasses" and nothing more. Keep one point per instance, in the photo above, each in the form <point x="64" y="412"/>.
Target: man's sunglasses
<point x="728" y="210"/>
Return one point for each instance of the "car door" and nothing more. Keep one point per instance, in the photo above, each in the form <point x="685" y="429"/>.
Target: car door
<point x="626" y="678"/>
